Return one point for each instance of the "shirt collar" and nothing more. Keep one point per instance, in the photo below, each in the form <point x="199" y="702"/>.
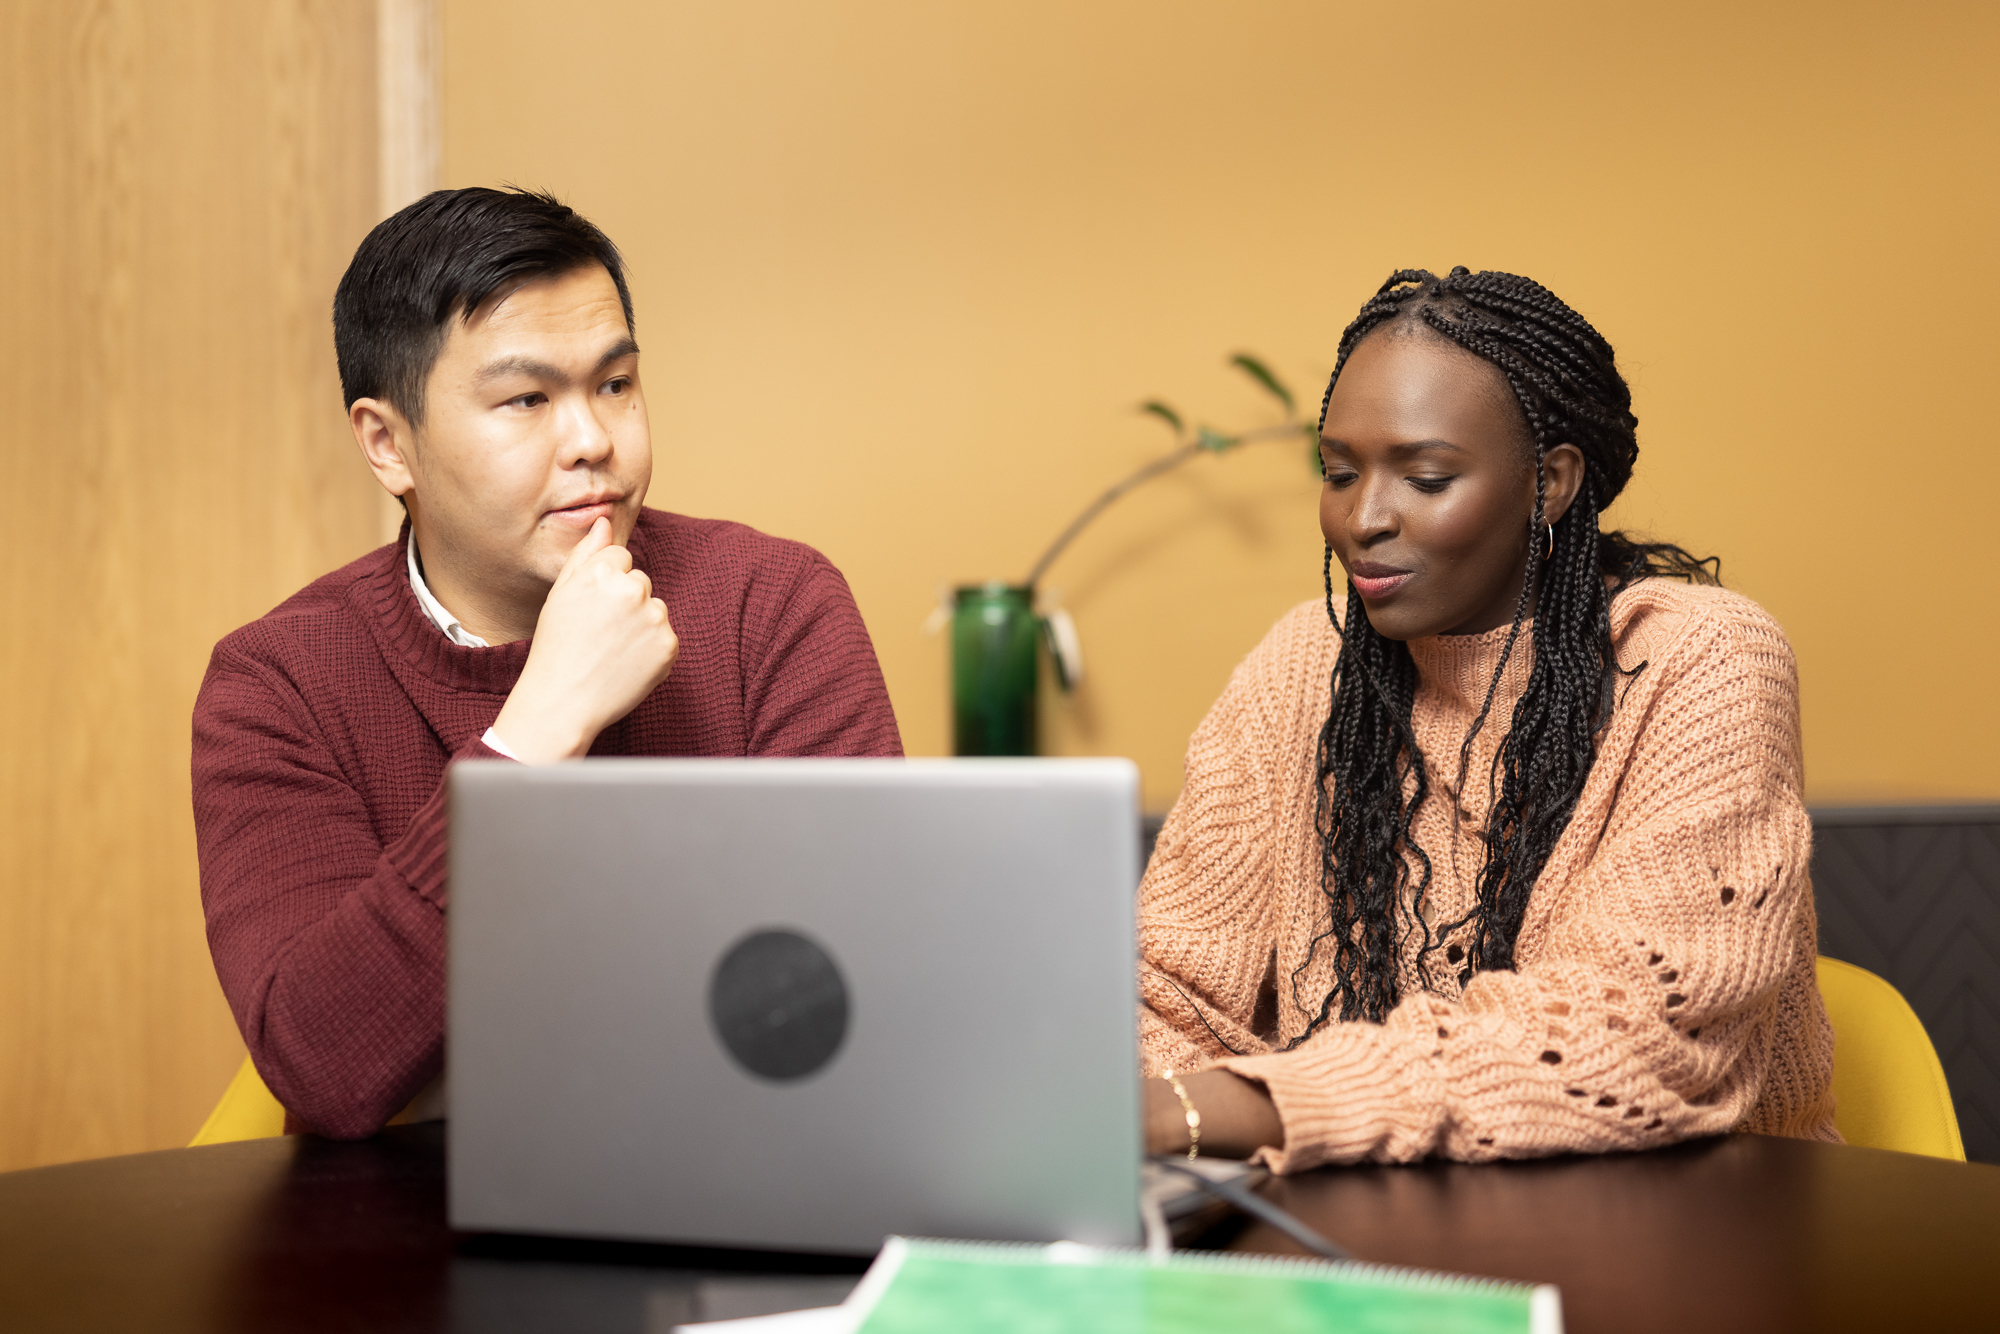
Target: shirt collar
<point x="433" y="609"/>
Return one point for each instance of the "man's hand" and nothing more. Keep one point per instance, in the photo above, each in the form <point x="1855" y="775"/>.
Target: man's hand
<point x="602" y="643"/>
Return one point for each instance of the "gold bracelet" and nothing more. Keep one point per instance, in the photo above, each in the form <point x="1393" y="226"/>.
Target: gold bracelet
<point x="1187" y="1106"/>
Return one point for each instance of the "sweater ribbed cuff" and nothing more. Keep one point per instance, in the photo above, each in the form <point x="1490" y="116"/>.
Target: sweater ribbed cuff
<point x="1346" y="1098"/>
<point x="422" y="855"/>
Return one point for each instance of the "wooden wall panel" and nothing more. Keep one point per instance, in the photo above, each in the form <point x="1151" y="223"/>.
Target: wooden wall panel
<point x="182" y="184"/>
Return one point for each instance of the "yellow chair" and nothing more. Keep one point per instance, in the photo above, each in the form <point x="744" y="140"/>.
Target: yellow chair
<point x="1888" y="1088"/>
<point x="247" y="1111"/>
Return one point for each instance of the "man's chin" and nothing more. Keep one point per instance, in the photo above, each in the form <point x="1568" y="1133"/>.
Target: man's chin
<point x="549" y="549"/>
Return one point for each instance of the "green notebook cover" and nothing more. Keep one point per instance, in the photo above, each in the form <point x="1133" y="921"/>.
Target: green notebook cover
<point x="922" y="1287"/>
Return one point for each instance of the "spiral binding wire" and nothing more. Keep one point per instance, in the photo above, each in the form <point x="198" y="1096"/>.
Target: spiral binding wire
<point x="1354" y="1271"/>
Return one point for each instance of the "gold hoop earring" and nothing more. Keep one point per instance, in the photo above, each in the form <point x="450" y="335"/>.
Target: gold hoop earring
<point x="1550" y="554"/>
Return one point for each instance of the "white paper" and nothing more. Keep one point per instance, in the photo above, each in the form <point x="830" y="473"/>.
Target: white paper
<point x="817" y="1320"/>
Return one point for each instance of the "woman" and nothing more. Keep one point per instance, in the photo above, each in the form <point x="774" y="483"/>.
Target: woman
<point x="1507" y="856"/>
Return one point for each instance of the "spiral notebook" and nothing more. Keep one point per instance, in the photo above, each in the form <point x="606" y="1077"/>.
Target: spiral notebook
<point x="918" y="1286"/>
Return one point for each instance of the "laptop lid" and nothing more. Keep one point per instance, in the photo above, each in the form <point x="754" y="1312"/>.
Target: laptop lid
<point x="798" y="1004"/>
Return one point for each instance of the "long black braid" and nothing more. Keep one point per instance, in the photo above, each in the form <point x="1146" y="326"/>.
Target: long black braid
<point x="1372" y="777"/>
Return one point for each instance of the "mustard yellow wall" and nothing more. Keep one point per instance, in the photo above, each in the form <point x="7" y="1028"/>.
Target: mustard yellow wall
<point x="903" y="269"/>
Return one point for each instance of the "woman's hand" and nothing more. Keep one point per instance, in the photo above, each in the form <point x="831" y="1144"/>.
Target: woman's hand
<point x="1237" y="1116"/>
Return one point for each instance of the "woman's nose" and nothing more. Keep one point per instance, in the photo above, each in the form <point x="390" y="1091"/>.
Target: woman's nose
<point x="1372" y="514"/>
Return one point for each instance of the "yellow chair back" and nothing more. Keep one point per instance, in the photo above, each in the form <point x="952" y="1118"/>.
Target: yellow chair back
<point x="247" y="1111"/>
<point x="1888" y="1087"/>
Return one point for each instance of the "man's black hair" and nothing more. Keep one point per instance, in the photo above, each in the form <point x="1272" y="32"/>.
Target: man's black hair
<point x="442" y="258"/>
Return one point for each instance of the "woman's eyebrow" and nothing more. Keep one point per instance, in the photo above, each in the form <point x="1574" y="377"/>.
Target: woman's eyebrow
<point x="1402" y="451"/>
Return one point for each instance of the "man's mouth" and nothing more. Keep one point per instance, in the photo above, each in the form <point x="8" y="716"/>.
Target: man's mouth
<point x="586" y="511"/>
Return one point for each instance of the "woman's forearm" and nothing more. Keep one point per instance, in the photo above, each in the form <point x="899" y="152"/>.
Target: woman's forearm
<point x="1237" y="1116"/>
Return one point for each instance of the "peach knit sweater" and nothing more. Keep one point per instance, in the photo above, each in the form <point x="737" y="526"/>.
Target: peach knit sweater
<point x="1665" y="984"/>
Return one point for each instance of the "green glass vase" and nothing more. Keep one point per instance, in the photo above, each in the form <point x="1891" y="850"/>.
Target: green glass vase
<point x="994" y="632"/>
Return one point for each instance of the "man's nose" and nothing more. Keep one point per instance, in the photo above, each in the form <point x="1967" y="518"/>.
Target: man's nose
<point x="586" y="440"/>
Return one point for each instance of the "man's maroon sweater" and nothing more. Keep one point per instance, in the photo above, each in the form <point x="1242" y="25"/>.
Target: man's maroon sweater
<point x="321" y="737"/>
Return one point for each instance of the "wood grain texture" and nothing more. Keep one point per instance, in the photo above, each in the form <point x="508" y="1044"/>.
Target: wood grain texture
<point x="409" y="118"/>
<point x="183" y="184"/>
<point x="408" y="99"/>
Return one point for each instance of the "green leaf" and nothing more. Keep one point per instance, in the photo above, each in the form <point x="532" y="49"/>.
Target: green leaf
<point x="1165" y="414"/>
<point x="1213" y="440"/>
<point x="1261" y="373"/>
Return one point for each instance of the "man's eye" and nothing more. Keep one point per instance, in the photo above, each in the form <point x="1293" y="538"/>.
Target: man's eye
<point x="1339" y="479"/>
<point x="529" y="400"/>
<point x="1430" y="486"/>
<point x="617" y="386"/>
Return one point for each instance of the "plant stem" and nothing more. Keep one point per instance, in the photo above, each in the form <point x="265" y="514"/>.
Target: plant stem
<point x="1154" y="469"/>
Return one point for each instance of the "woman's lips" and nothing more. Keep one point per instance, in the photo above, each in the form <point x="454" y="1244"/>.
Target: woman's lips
<point x="1372" y="587"/>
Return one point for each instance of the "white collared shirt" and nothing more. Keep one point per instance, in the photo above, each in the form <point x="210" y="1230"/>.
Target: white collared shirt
<point x="434" y="609"/>
<point x="435" y="612"/>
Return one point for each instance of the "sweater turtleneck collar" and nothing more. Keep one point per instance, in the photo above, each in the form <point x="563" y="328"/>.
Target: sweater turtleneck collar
<point x="410" y="639"/>
<point x="1458" y="669"/>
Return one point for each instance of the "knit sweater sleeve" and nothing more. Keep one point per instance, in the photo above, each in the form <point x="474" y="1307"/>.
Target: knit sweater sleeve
<point x="328" y="942"/>
<point x="812" y="683"/>
<point x="1207" y="906"/>
<point x="1647" y="1010"/>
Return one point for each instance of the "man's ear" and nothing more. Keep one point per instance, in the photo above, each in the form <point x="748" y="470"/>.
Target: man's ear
<point x="1562" y="477"/>
<point x="384" y="435"/>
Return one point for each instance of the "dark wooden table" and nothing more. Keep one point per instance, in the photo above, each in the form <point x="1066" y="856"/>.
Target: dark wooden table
<point x="302" y="1234"/>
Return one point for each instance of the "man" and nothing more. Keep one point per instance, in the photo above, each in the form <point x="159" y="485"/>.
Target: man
<point x="531" y="610"/>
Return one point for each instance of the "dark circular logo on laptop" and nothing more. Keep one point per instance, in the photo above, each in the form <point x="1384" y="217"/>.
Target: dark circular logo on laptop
<point x="778" y="1004"/>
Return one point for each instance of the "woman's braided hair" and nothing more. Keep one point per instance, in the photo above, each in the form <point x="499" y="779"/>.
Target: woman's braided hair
<point x="1371" y="774"/>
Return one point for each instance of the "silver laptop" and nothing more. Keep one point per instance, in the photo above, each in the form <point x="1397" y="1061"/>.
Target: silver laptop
<point x="795" y="1004"/>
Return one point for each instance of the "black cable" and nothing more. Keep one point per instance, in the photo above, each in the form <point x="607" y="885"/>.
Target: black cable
<point x="1234" y="1051"/>
<point x="1230" y="1192"/>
